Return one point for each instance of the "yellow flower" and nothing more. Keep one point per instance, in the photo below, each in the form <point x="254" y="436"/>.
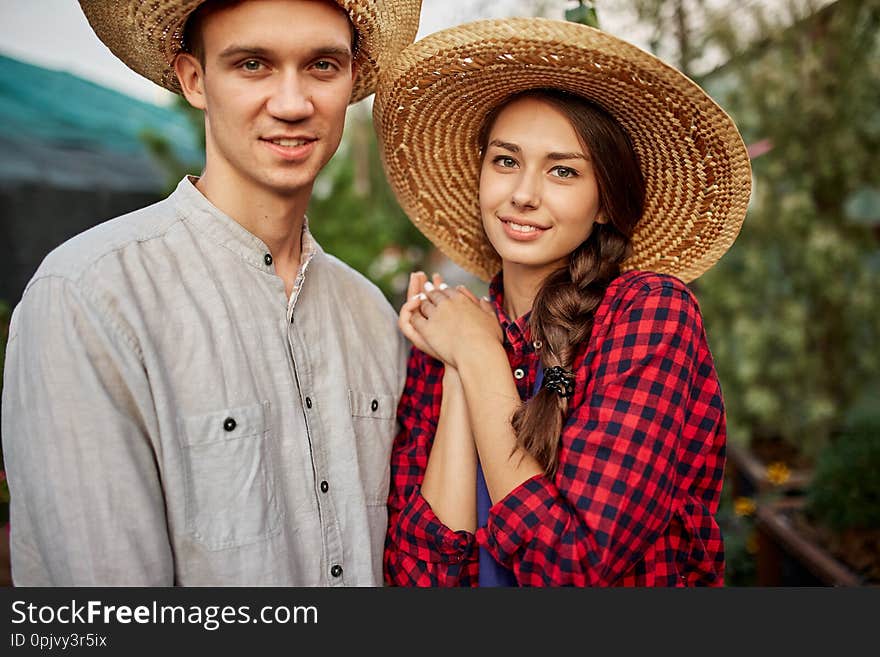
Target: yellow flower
<point x="752" y="544"/>
<point x="778" y="473"/>
<point x="744" y="506"/>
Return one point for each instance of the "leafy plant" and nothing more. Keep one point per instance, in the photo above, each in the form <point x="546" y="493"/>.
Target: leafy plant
<point x="846" y="487"/>
<point x="793" y="309"/>
<point x="353" y="213"/>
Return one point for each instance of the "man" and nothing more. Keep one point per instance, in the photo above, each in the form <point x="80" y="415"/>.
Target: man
<point x="195" y="393"/>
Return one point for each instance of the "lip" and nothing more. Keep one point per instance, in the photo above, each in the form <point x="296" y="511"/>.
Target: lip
<point x="517" y="235"/>
<point x="291" y="153"/>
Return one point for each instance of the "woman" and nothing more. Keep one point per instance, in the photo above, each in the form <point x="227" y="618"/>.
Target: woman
<point x="569" y="430"/>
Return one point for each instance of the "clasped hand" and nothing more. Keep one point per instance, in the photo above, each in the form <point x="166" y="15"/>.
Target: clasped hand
<point x="447" y="323"/>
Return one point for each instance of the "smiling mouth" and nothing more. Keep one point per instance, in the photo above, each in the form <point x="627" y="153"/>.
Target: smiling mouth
<point x="521" y="228"/>
<point x="289" y="143"/>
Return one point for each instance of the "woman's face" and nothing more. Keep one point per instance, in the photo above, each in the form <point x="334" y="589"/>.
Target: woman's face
<point x="538" y="193"/>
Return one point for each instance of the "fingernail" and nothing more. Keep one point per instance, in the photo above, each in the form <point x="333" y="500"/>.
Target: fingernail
<point x="486" y="299"/>
<point x="443" y="286"/>
<point x="422" y="296"/>
<point x="429" y="286"/>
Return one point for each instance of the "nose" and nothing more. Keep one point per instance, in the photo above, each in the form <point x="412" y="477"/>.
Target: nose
<point x="290" y="99"/>
<point x="527" y="191"/>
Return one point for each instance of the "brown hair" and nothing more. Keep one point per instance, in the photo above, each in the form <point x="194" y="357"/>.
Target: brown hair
<point x="563" y="310"/>
<point x="192" y="30"/>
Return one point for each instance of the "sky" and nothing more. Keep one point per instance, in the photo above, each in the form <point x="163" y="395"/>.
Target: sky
<point x="56" y="35"/>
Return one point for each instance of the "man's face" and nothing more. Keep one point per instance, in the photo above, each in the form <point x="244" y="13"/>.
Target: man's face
<point x="276" y="83"/>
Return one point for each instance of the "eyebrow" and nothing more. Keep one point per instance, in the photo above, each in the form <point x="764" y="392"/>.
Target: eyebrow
<point x="255" y="51"/>
<point x="513" y="148"/>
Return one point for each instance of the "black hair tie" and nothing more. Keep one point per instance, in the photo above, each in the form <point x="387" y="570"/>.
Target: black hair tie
<point x="560" y="381"/>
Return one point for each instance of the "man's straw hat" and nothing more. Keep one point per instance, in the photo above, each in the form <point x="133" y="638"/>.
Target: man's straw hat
<point x="147" y="36"/>
<point x="432" y="99"/>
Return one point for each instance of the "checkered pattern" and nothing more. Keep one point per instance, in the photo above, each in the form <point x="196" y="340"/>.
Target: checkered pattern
<point x="641" y="460"/>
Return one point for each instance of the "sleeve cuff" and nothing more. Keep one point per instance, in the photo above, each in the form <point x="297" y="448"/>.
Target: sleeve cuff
<point x="421" y="534"/>
<point x="514" y="520"/>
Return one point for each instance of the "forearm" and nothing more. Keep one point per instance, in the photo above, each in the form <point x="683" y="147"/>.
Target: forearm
<point x="450" y="484"/>
<point x="492" y="398"/>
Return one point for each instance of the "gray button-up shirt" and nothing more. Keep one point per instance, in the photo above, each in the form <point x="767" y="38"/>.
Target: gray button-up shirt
<point x="171" y="417"/>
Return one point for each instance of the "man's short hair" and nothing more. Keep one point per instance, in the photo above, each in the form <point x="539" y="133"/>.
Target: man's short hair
<point x="194" y="44"/>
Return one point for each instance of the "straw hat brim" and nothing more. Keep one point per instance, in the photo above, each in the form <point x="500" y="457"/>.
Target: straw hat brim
<point x="147" y="36"/>
<point x="431" y="102"/>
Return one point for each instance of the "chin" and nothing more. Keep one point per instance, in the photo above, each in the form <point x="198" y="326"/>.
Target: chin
<point x="289" y="185"/>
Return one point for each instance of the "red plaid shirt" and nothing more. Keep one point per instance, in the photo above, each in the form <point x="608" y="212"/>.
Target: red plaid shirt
<point x="641" y="459"/>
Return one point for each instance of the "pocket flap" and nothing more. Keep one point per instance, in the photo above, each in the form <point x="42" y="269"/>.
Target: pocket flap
<point x="228" y="424"/>
<point x="370" y="404"/>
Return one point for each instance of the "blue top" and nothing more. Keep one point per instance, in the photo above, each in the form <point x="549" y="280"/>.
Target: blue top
<point x="493" y="573"/>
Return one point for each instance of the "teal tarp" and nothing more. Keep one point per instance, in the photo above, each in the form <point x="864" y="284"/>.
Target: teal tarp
<point x="56" y="125"/>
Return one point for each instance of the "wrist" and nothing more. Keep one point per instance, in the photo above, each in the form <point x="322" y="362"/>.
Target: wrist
<point x="474" y="351"/>
<point x="479" y="360"/>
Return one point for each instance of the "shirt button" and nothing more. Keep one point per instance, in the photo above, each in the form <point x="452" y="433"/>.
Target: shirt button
<point x="229" y="424"/>
<point x="519" y="373"/>
<point x="336" y="571"/>
<point x="268" y="259"/>
<point x="308" y="402"/>
<point x="324" y="486"/>
<point x="375" y="405"/>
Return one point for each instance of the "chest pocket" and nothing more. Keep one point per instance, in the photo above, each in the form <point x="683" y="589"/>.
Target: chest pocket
<point x="374" y="418"/>
<point x="230" y="490"/>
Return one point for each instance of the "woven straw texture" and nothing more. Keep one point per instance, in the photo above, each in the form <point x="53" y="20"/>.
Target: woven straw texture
<point x="431" y="101"/>
<point x="147" y="34"/>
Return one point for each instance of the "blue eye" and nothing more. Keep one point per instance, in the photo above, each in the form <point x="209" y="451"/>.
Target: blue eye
<point x="325" y="66"/>
<point x="505" y="162"/>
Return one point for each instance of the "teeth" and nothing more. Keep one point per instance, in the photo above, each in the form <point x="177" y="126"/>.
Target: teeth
<point x="289" y="142"/>
<point x="519" y="228"/>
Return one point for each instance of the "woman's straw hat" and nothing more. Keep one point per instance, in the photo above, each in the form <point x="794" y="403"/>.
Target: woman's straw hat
<point x="432" y="99"/>
<point x="147" y="36"/>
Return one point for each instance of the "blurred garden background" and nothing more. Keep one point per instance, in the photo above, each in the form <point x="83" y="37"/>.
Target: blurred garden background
<point x="792" y="311"/>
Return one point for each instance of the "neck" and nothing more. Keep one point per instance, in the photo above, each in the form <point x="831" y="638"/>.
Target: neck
<point x="521" y="285"/>
<point x="275" y="219"/>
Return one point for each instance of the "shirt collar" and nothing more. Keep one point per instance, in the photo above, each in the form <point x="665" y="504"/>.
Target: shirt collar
<point x="199" y="212"/>
<point x="516" y="332"/>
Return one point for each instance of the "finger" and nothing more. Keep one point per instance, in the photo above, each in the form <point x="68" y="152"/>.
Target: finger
<point x="434" y="294"/>
<point x="416" y="280"/>
<point x="417" y="321"/>
<point x="437" y="279"/>
<point x="410" y="306"/>
<point x="466" y="292"/>
<point x="426" y="306"/>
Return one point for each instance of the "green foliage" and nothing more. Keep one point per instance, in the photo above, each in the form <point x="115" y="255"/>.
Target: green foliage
<point x="740" y="541"/>
<point x="163" y="151"/>
<point x="793" y="309"/>
<point x="584" y="13"/>
<point x="846" y="488"/>
<point x="354" y="215"/>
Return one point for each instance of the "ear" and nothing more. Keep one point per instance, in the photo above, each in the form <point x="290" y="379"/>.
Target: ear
<point x="355" y="69"/>
<point x="600" y="218"/>
<point x="191" y="76"/>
